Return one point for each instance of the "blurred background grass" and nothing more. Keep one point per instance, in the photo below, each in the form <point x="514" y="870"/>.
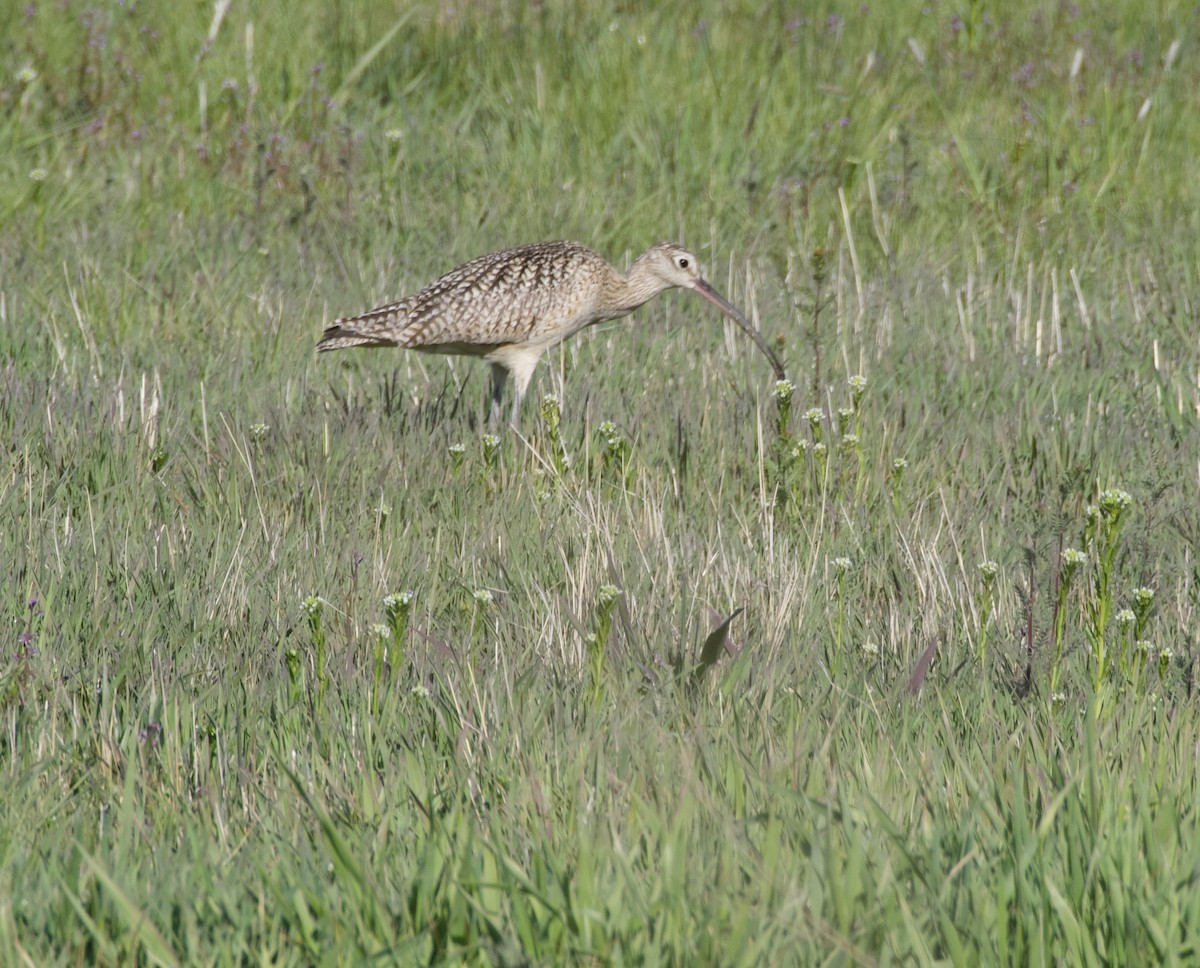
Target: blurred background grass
<point x="989" y="212"/>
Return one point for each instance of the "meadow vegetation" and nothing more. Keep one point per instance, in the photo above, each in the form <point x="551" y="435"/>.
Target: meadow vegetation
<point x="299" y="666"/>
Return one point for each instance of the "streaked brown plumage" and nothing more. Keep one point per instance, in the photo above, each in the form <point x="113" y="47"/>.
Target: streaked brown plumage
<point x="510" y="307"/>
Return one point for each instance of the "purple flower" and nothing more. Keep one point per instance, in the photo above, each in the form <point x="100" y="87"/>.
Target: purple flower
<point x="1024" y="74"/>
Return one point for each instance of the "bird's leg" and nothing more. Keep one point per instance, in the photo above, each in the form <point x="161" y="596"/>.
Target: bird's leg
<point x="499" y="375"/>
<point x="523" y="365"/>
<point x="516" y="414"/>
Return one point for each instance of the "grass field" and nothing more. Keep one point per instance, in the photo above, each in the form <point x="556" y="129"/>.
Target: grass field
<point x="301" y="668"/>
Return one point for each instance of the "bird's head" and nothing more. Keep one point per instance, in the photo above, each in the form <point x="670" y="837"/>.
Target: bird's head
<point x="673" y="266"/>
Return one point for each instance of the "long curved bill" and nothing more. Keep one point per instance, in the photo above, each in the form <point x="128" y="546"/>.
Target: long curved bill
<point x="723" y="304"/>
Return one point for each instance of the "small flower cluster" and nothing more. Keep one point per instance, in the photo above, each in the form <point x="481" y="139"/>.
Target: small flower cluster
<point x="1114" y="502"/>
<point x="1072" y="558"/>
<point x="398" y="604"/>
<point x="403" y="600"/>
<point x="858" y="386"/>
<point x="616" y="451"/>
<point x="551" y="411"/>
<point x="491" y="455"/>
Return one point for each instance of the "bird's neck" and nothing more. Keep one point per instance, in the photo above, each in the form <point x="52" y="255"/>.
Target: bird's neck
<point x="626" y="293"/>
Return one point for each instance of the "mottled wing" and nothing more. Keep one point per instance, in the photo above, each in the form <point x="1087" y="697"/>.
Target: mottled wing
<point x="501" y="298"/>
<point x="490" y="301"/>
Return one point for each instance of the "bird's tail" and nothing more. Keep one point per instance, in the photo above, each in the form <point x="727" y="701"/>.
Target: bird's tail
<point x="343" y="334"/>
<point x="379" y="327"/>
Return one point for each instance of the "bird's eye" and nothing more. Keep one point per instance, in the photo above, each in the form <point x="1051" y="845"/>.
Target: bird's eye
<point x="683" y="263"/>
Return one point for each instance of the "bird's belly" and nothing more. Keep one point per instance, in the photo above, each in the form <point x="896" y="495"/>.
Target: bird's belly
<point x="460" y="349"/>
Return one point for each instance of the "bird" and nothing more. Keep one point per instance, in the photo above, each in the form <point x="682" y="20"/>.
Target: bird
<point x="510" y="307"/>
